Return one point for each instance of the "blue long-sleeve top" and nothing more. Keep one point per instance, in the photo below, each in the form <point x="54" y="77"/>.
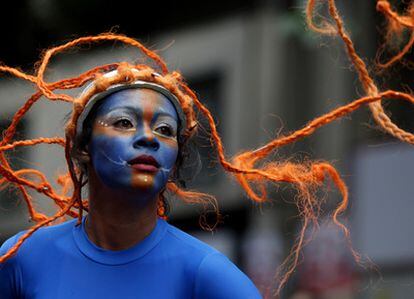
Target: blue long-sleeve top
<point x="61" y="262"/>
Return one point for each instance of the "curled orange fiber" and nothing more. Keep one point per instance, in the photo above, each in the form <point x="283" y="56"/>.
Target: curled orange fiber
<point x="397" y="24"/>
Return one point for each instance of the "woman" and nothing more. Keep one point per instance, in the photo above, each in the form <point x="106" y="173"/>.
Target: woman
<point x="126" y="137"/>
<point x="128" y="140"/>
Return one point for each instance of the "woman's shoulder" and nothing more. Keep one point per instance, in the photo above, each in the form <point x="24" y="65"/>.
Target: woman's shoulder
<point x="218" y="277"/>
<point x="187" y="242"/>
<point x="215" y="275"/>
<point x="40" y="238"/>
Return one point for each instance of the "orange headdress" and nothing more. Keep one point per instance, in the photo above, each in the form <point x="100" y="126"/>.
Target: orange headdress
<point x="252" y="169"/>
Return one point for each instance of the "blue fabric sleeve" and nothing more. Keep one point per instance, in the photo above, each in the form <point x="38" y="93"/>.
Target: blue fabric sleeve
<point x="219" y="278"/>
<point x="9" y="272"/>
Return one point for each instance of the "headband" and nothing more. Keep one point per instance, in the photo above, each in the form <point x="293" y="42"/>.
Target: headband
<point x="121" y="86"/>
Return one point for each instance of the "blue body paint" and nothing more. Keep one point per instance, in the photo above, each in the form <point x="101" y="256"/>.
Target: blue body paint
<point x="129" y="124"/>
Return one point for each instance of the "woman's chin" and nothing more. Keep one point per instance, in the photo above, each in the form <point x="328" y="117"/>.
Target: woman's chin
<point x="143" y="180"/>
<point x="135" y="181"/>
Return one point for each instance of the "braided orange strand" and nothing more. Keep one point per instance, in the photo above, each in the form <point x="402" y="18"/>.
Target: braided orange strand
<point x="364" y="77"/>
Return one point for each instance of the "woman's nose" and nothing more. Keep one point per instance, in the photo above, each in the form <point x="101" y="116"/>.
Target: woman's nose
<point x="146" y="139"/>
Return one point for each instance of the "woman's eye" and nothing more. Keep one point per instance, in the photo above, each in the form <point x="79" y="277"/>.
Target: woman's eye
<point x="123" y="124"/>
<point x="165" y="130"/>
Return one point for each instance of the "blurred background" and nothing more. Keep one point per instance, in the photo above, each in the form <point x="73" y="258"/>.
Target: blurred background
<point x="262" y="73"/>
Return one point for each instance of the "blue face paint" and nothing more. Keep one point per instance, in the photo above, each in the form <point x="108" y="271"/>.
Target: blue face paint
<point x="134" y="140"/>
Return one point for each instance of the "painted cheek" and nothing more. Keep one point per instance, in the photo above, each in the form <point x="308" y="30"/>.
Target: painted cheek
<point x="169" y="142"/>
<point x="109" y="158"/>
<point x="169" y="149"/>
<point x="169" y="153"/>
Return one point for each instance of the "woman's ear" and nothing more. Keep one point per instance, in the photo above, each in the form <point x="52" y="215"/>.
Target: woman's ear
<point x="83" y="155"/>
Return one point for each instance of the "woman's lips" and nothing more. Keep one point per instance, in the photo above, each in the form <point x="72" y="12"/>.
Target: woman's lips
<point x="144" y="163"/>
<point x="145" y="167"/>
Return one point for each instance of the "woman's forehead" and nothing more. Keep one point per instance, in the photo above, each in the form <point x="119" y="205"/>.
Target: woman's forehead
<point x="139" y="99"/>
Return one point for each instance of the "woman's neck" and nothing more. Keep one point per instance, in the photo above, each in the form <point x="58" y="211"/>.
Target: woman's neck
<point x="118" y="220"/>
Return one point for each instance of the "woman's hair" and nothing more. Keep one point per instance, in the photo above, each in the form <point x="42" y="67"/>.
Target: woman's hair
<point x="254" y="170"/>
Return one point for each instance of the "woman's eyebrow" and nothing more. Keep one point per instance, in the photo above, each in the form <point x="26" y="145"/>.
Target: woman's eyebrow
<point x="164" y="113"/>
<point x="128" y="109"/>
<point x="110" y="111"/>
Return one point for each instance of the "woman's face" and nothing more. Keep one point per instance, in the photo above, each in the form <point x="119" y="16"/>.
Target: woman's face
<point x="134" y="140"/>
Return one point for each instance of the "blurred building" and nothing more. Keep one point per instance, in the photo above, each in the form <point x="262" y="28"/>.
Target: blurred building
<point x="262" y="73"/>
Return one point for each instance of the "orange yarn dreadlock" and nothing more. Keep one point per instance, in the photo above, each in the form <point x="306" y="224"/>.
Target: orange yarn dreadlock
<point x="252" y="169"/>
<point x="397" y="24"/>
